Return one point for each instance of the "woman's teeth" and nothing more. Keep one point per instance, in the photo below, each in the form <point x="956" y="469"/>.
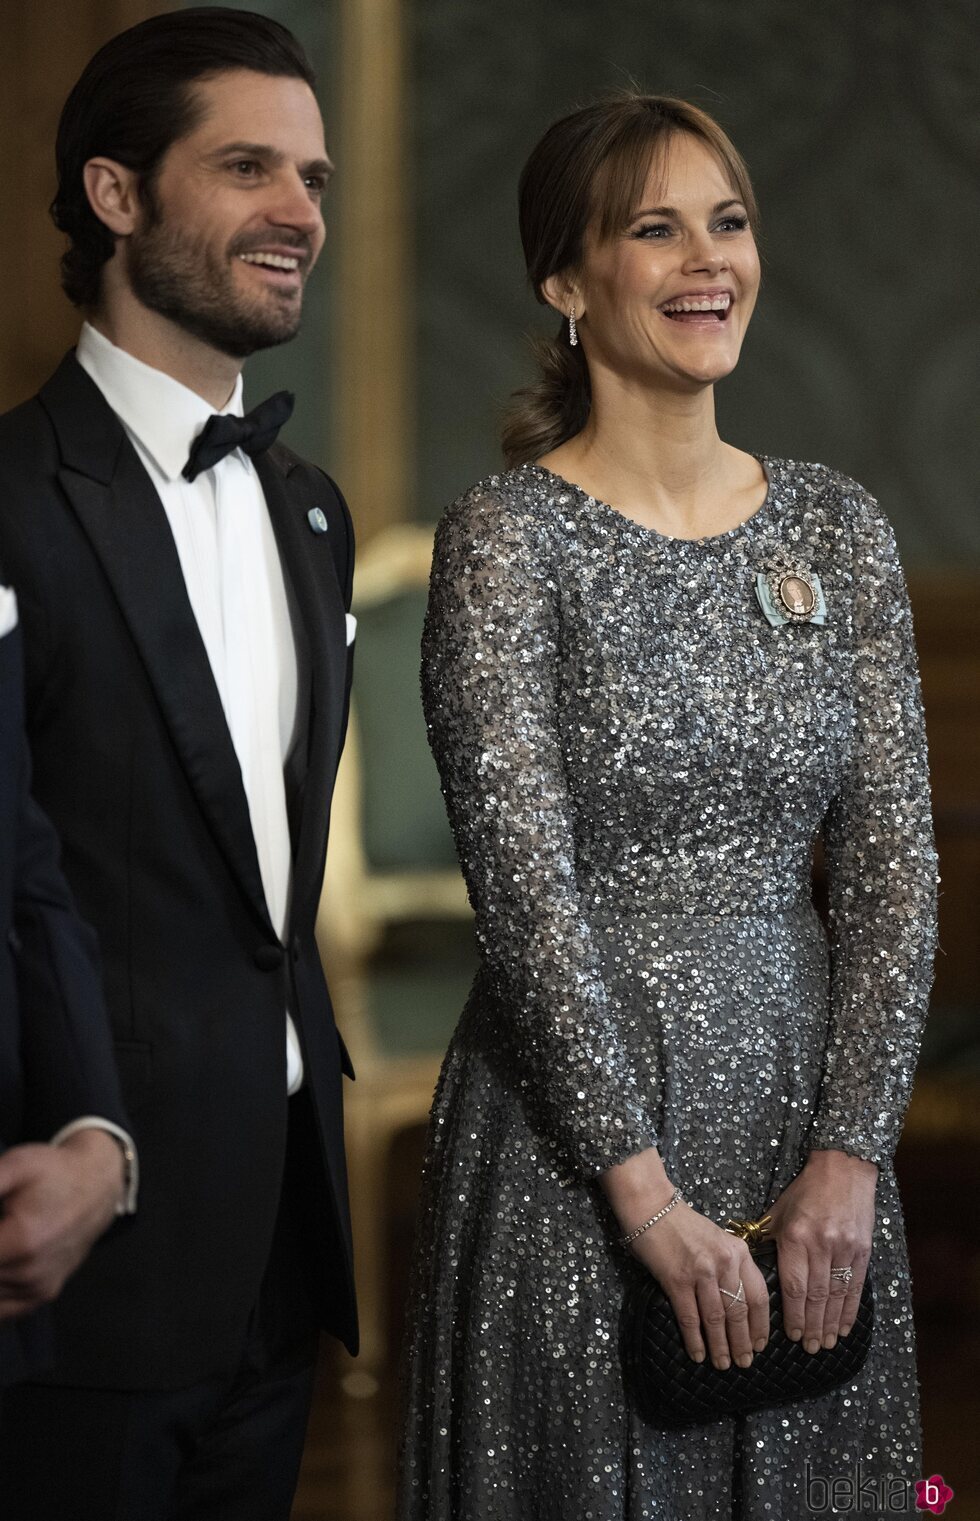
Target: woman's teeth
<point x="718" y="304"/>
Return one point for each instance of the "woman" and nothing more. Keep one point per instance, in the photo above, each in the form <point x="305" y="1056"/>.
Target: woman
<point x="655" y="667"/>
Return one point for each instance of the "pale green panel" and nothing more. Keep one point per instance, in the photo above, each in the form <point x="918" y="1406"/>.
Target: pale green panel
<point x="861" y="125"/>
<point x="305" y="366"/>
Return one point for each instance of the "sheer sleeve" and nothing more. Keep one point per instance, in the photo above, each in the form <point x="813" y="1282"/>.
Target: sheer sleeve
<point x="881" y="865"/>
<point x="489" y="678"/>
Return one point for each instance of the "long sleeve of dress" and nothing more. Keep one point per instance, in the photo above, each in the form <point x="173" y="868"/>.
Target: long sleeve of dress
<point x="489" y="674"/>
<point x="881" y="866"/>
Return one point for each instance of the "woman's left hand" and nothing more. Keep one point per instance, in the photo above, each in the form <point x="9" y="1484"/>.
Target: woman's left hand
<point x="824" y="1219"/>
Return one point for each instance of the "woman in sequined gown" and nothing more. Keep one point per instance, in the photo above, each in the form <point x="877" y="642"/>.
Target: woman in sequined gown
<point x="639" y="739"/>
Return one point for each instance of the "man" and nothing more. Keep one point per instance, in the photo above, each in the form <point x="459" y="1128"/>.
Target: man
<point x="58" y="1081"/>
<point x="184" y="582"/>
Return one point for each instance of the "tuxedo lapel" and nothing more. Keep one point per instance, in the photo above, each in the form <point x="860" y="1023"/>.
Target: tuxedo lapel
<point x="126" y="524"/>
<point x="308" y="565"/>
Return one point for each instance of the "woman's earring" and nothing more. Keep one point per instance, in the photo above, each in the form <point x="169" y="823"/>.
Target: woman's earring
<point x="572" y="329"/>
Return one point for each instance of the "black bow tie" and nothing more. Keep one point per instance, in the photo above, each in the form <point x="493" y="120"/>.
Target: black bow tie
<point x="255" y="432"/>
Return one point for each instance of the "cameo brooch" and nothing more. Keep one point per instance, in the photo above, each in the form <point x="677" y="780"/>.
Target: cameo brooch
<point x="790" y="593"/>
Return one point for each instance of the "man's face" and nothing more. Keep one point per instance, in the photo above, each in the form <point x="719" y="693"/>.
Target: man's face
<point x="232" y="225"/>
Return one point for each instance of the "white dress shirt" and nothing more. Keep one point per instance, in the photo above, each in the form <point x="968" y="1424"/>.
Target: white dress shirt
<point x="230" y="562"/>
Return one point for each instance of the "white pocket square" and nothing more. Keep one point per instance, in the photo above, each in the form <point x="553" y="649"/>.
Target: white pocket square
<point x="351" y="627"/>
<point x="8" y="610"/>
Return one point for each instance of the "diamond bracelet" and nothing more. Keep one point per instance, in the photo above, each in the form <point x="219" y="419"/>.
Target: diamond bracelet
<point x="675" y="1199"/>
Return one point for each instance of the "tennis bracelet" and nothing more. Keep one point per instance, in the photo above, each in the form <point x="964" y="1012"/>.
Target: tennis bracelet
<point x="675" y="1199"/>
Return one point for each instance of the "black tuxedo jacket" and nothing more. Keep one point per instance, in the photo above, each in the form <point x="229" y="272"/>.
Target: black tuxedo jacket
<point x="55" y="1048"/>
<point x="135" y="765"/>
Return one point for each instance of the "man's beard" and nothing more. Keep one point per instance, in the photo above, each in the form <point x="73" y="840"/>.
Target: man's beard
<point x="183" y="279"/>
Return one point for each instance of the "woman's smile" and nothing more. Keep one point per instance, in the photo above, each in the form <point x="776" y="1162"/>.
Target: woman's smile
<point x="706" y="310"/>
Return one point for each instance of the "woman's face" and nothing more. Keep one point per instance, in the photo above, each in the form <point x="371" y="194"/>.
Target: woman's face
<point x="669" y="299"/>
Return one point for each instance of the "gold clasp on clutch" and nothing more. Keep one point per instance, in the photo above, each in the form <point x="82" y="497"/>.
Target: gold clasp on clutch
<point x="750" y="1231"/>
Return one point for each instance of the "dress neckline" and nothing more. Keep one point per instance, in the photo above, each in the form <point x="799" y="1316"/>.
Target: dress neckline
<point x="561" y="483"/>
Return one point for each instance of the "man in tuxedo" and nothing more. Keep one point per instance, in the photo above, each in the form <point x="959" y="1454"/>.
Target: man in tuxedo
<point x="184" y="581"/>
<point x="63" y="1150"/>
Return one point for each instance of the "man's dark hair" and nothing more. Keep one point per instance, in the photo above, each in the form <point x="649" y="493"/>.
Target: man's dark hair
<point x="134" y="101"/>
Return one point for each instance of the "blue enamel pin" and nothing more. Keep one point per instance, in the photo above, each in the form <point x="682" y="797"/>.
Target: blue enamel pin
<point x="317" y="520"/>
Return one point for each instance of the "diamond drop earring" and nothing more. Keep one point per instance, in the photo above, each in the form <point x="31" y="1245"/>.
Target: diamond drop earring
<point x="572" y="329"/>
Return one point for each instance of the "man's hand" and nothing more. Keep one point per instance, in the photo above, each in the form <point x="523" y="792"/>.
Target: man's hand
<point x="56" y="1202"/>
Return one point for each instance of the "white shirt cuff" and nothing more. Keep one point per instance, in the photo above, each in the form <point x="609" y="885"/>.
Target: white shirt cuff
<point x="127" y="1204"/>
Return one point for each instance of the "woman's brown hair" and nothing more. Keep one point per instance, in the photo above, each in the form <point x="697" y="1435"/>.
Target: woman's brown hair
<point x="589" y="171"/>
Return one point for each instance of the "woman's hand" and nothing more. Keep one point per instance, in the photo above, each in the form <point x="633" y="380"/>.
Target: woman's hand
<point x="694" y="1261"/>
<point x="824" y="1219"/>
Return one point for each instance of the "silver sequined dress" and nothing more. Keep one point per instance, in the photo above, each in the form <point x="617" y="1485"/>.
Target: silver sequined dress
<point x="636" y="763"/>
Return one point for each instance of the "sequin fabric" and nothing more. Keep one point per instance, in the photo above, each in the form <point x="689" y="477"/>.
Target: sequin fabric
<point x="636" y="764"/>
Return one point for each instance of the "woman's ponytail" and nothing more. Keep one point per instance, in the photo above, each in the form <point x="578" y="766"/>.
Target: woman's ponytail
<point x="553" y="408"/>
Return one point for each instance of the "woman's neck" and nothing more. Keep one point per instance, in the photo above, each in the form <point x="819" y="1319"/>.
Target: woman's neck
<point x="657" y="457"/>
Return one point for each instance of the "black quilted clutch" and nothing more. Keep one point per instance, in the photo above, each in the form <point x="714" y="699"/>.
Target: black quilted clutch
<point x="669" y="1389"/>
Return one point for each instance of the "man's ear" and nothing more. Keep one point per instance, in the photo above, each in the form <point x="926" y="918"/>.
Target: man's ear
<point x="113" y="194"/>
<point x="562" y="293"/>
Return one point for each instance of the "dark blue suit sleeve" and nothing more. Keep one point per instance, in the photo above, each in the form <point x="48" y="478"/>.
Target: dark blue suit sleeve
<point x="67" y="1057"/>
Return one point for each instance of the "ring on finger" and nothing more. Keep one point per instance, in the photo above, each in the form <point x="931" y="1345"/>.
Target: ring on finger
<point x="842" y="1274"/>
<point x="739" y="1295"/>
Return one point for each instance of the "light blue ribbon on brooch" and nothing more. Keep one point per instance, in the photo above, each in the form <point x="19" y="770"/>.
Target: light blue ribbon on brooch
<point x="777" y="615"/>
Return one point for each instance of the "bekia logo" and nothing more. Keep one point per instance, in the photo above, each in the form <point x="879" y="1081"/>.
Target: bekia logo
<point x="865" y="1492"/>
<point x="932" y="1494"/>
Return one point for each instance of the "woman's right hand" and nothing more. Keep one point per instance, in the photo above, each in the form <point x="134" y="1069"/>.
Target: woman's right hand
<point x="693" y="1260"/>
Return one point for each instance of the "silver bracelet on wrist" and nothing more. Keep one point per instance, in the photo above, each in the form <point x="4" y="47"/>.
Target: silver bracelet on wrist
<point x="675" y="1199"/>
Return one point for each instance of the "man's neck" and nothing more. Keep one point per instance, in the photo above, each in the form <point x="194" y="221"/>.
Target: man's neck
<point x="163" y="345"/>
